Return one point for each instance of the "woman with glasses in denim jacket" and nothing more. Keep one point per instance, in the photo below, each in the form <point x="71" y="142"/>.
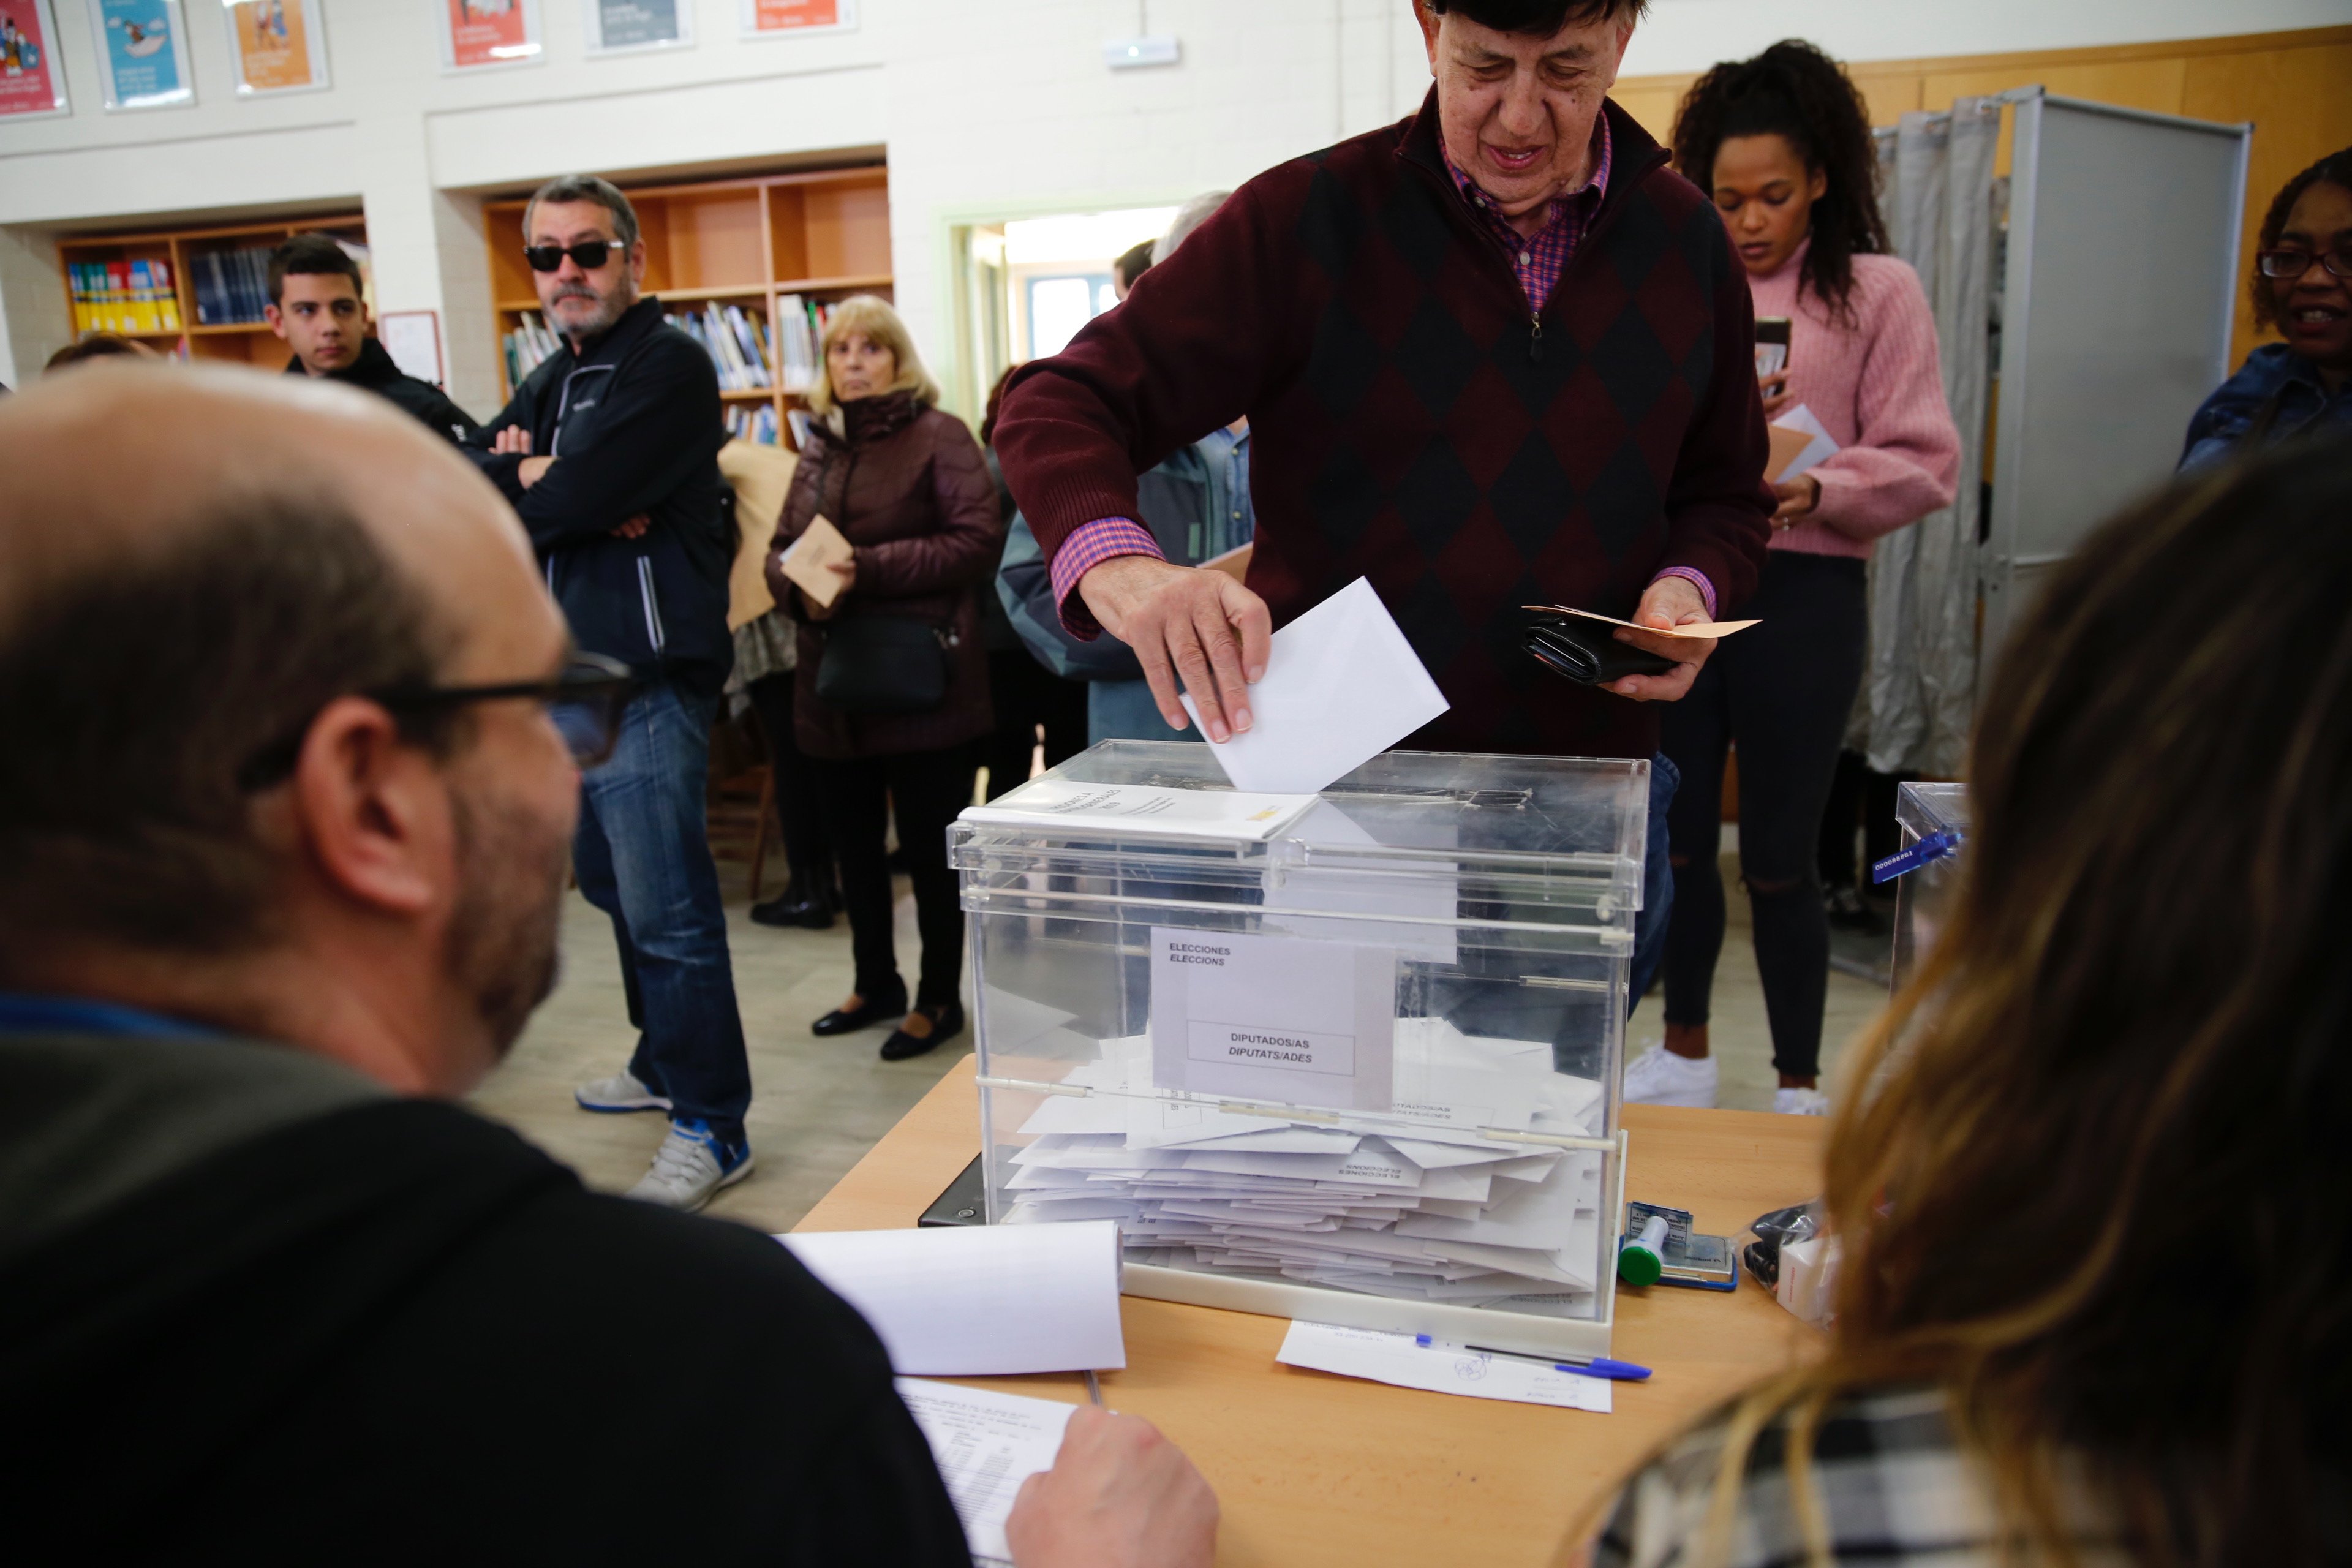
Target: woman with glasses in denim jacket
<point x="2302" y="287"/>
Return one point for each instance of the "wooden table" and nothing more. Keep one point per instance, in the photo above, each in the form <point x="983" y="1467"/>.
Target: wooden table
<point x="1314" y="1468"/>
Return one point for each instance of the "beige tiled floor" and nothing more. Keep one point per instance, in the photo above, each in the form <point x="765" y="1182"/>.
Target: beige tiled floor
<point x="818" y="1105"/>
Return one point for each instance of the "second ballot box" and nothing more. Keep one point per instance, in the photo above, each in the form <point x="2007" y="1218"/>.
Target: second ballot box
<point x="1352" y="1058"/>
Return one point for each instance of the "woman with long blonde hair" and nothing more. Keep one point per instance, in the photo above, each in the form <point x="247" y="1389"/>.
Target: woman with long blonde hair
<point x="2091" y="1180"/>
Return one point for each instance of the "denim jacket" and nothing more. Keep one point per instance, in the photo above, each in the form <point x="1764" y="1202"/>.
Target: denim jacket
<point x="2276" y="394"/>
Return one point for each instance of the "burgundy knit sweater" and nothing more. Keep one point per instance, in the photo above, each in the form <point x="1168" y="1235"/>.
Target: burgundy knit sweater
<point x="1414" y="423"/>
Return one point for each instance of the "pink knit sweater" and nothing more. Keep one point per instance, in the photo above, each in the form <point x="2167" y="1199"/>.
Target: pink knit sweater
<point x="1876" y="385"/>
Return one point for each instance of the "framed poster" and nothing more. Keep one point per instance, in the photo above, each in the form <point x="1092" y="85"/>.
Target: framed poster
<point x="477" y="35"/>
<point x="32" y="84"/>
<point x="790" y="19"/>
<point x="276" y="45"/>
<point x="142" y="54"/>
<point x="624" y="27"/>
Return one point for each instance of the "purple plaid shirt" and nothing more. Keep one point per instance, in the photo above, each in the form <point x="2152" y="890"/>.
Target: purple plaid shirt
<point x="1538" y="260"/>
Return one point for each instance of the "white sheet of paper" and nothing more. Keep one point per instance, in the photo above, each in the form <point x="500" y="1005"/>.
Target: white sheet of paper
<point x="979" y="1301"/>
<point x="1069" y="805"/>
<point x="1442" y="1367"/>
<point x="985" y="1445"/>
<point x="1272" y="1017"/>
<point x="1341" y="686"/>
<point x="1823" y="445"/>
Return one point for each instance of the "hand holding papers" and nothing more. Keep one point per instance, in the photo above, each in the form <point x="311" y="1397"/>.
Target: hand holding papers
<point x="981" y="1301"/>
<point x="1799" y="442"/>
<point x="985" y="1445"/>
<point x="811" y="559"/>
<point x="1341" y="686"/>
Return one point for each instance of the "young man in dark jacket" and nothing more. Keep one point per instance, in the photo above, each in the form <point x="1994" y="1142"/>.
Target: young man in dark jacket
<point x="316" y="308"/>
<point x="1496" y="355"/>
<point x="610" y="453"/>
<point x="282" y="885"/>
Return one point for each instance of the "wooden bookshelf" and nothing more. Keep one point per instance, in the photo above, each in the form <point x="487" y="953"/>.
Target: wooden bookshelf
<point x="245" y="343"/>
<point x="821" y="233"/>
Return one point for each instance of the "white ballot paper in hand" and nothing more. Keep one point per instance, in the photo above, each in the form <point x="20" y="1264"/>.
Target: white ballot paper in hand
<point x="1803" y="421"/>
<point x="980" y="1300"/>
<point x="1341" y="686"/>
<point x="985" y="1445"/>
<point x="1441" y="1366"/>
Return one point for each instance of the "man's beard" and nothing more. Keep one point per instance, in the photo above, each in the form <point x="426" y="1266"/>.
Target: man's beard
<point x="501" y="948"/>
<point x="608" y="310"/>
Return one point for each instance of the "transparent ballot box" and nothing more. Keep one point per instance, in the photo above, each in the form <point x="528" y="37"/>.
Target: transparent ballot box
<point x="1352" y="1058"/>
<point x="1935" y="815"/>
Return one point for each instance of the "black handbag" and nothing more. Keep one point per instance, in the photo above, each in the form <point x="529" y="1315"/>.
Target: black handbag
<point x="884" y="664"/>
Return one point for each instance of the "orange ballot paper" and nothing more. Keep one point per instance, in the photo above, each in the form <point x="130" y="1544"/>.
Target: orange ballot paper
<point x="811" y="560"/>
<point x="1696" y="629"/>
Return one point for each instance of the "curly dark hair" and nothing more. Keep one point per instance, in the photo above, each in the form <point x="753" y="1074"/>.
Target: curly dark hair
<point x="1794" y="91"/>
<point x="2336" y="169"/>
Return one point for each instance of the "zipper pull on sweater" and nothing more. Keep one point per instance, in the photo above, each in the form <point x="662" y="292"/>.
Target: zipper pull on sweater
<point x="1535" y="339"/>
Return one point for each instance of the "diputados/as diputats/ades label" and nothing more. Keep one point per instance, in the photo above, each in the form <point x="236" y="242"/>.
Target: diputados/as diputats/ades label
<point x="1274" y="1017"/>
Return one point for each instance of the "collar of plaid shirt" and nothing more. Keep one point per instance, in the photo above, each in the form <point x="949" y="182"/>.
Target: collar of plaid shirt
<point x="1540" y="259"/>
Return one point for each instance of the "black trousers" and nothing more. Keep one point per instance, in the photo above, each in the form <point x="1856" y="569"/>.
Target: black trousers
<point x="799" y="814"/>
<point x="1782" y="692"/>
<point x="1029" y="696"/>
<point x="925" y="790"/>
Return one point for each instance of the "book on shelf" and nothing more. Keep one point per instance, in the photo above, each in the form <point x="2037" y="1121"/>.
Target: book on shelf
<point x="736" y="340"/>
<point x="231" y="287"/>
<point x="527" y="348"/>
<point x="131" y="298"/>
<point x="755" y="423"/>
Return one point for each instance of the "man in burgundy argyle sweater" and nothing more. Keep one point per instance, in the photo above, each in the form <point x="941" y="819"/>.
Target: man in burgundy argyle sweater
<point x="1496" y="355"/>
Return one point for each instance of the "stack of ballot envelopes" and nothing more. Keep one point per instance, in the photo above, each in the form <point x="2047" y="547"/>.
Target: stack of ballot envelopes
<point x="1430" y="1209"/>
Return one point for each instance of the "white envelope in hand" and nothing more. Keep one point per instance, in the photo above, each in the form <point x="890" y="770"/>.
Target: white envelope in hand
<point x="1341" y="686"/>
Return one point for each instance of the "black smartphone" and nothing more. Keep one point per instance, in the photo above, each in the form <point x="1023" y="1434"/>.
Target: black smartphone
<point x="1587" y="652"/>
<point x="964" y="1203"/>
<point x="1771" y="346"/>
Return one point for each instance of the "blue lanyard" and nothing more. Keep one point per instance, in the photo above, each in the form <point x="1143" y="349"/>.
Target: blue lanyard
<point x="72" y="1015"/>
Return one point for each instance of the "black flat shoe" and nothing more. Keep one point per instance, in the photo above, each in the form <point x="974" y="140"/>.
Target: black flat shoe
<point x="947" y="1023"/>
<point x="849" y="1020"/>
<point x="790" y="909"/>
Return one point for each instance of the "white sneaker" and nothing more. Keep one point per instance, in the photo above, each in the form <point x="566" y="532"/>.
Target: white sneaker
<point x="1659" y="1077"/>
<point x="690" y="1166"/>
<point x="619" y="1092"/>
<point x="1801" y="1102"/>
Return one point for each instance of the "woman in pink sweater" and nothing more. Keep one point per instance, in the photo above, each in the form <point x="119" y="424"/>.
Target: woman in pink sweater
<point x="1783" y="144"/>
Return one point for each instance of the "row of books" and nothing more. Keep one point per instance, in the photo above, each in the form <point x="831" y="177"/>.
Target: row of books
<point x="127" y="297"/>
<point x="800" y="327"/>
<point x="529" y="343"/>
<point x="755" y="423"/>
<point x="735" y="338"/>
<point x="232" y="286"/>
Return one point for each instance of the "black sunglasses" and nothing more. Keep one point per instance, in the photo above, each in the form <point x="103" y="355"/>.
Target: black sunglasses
<point x="585" y="703"/>
<point x="590" y="254"/>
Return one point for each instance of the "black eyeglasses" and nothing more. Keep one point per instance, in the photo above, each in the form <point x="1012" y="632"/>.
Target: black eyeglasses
<point x="2285" y="263"/>
<point x="586" y="703"/>
<point x="590" y="254"/>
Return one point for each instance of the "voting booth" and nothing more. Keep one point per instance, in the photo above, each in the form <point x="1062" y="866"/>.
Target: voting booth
<point x="1352" y="1058"/>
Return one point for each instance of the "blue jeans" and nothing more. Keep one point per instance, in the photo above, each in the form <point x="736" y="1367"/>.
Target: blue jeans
<point x="644" y="858"/>
<point x="1657" y="885"/>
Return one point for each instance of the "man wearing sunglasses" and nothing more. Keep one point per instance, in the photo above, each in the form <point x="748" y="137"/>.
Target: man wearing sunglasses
<point x="609" y="453"/>
<point x="294" y="738"/>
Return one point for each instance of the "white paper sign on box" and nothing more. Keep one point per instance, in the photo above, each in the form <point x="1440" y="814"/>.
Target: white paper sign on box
<point x="1272" y="1018"/>
<point x="1341" y="686"/>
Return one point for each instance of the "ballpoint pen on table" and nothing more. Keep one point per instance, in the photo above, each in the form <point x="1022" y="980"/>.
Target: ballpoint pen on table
<point x="1584" y="1366"/>
<point x="1094" y="1388"/>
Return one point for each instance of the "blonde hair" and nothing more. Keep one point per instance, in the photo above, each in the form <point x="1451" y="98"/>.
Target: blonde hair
<point x="872" y="316"/>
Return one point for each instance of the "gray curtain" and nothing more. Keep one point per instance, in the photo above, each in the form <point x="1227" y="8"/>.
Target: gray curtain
<point x="1918" y="689"/>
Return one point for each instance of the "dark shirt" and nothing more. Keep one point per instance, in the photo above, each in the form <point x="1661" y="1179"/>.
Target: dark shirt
<point x="1413" y="423"/>
<point x="2276" y="394"/>
<point x="375" y="371"/>
<point x="347" y="1327"/>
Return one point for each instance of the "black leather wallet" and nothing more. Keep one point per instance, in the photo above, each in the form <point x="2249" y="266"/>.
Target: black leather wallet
<point x="1587" y="652"/>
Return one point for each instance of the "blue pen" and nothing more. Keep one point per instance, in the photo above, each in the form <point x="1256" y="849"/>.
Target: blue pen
<point x="1594" y="1366"/>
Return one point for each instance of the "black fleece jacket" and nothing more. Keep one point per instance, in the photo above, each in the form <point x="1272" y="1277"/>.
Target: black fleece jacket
<point x="375" y="371"/>
<point x="634" y="427"/>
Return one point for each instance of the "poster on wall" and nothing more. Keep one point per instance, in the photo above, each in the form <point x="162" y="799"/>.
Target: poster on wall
<point x="142" y="54"/>
<point x="623" y="26"/>
<point x="31" y="81"/>
<point x="480" y="33"/>
<point x="275" y="45"/>
<point x="797" y="18"/>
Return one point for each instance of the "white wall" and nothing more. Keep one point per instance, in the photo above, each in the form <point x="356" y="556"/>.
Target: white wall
<point x="989" y="108"/>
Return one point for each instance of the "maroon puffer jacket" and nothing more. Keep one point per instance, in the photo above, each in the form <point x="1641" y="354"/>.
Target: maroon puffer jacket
<point x="909" y="487"/>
